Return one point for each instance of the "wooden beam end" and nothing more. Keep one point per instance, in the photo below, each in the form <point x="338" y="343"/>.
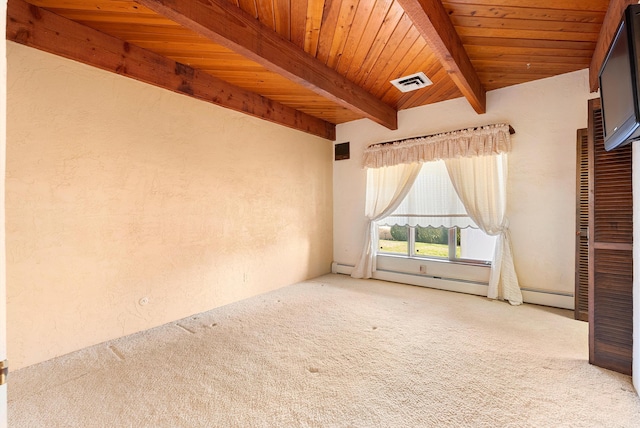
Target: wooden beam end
<point x="479" y="103"/>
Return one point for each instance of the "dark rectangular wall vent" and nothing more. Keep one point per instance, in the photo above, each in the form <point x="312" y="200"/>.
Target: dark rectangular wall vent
<point x="342" y="151"/>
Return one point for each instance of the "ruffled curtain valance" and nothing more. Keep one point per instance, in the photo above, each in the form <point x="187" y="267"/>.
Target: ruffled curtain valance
<point x="483" y="141"/>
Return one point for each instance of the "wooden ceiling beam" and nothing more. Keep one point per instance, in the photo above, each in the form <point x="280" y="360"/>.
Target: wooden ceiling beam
<point x="607" y="31"/>
<point x="433" y="22"/>
<point x="228" y="25"/>
<point x="35" y="27"/>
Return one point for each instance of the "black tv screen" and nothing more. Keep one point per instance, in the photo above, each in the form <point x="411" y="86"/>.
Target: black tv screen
<point x="619" y="84"/>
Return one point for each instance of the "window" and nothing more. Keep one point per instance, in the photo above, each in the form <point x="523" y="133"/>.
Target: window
<point x="431" y="222"/>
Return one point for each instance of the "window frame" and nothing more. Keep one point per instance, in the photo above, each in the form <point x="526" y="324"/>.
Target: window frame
<point x="452" y="247"/>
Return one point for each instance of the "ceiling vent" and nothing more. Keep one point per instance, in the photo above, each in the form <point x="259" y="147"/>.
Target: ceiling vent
<point x="412" y="82"/>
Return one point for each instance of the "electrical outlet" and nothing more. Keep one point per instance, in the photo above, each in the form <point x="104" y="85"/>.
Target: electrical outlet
<point x="423" y="268"/>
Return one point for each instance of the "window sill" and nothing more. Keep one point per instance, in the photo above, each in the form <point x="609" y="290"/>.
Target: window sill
<point x="434" y="268"/>
<point x="437" y="260"/>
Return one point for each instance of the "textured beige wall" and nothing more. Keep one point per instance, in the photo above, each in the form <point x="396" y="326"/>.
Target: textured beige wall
<point x="119" y="191"/>
<point x="3" y="133"/>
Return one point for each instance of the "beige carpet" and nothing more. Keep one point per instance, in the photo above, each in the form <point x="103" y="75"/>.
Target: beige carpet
<point x="336" y="352"/>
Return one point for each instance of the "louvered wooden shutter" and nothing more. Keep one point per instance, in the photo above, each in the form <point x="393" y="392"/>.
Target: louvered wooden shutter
<point x="610" y="250"/>
<point x="582" y="227"/>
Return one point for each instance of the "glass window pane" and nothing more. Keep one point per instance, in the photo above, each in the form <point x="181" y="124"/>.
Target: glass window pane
<point x="393" y="239"/>
<point x="432" y="242"/>
<point x="476" y="245"/>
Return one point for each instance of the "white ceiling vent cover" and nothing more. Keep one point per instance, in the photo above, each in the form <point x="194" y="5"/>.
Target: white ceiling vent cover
<point x="412" y="82"/>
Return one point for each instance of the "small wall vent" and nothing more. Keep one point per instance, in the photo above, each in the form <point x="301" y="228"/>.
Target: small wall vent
<point x="411" y="82"/>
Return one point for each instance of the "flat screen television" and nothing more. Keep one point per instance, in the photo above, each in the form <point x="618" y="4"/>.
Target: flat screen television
<point x="619" y="85"/>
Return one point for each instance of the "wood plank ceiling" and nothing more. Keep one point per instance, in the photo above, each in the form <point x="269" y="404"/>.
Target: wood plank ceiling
<point x="311" y="64"/>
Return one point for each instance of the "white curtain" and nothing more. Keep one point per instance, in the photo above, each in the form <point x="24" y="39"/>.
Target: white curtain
<point x="386" y="188"/>
<point x="481" y="184"/>
<point x="432" y="201"/>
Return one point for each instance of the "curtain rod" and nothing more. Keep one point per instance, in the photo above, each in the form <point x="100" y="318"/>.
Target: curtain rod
<point x="511" y="131"/>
